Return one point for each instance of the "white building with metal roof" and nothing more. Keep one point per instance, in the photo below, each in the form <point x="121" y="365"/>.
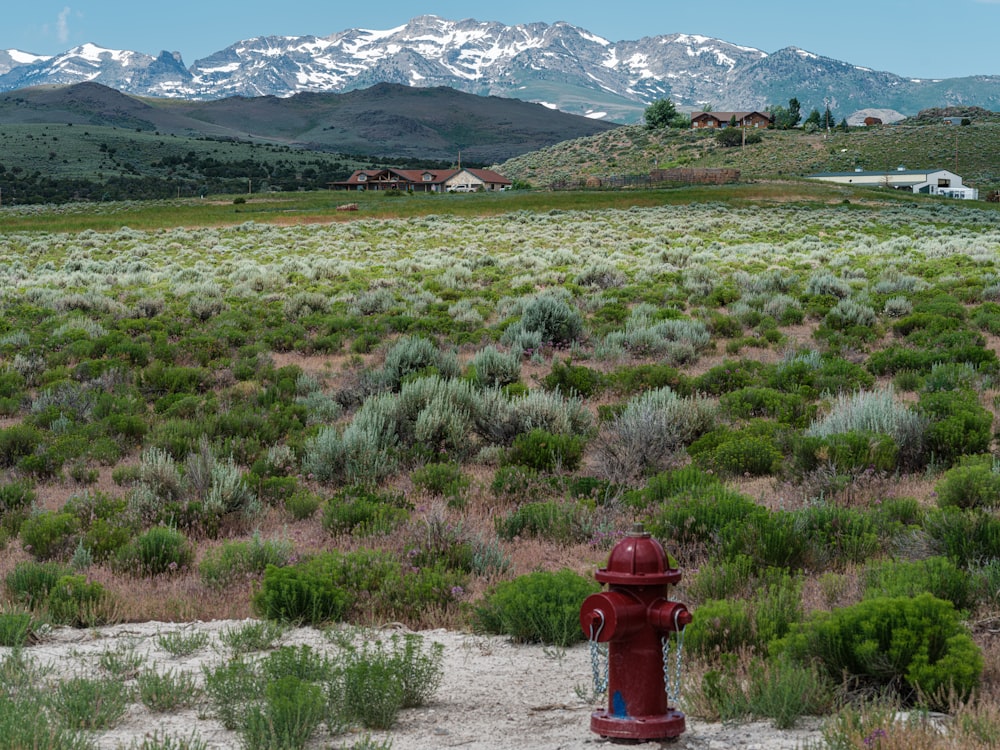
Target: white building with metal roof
<point x="929" y="182"/>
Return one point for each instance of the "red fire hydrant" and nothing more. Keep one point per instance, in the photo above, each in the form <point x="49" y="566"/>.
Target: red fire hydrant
<point x="635" y="618"/>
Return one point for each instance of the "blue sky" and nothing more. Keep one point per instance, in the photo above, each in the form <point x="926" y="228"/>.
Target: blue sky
<point x="917" y="38"/>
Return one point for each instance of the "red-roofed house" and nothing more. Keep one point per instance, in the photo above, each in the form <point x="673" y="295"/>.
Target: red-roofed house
<point x="465" y="180"/>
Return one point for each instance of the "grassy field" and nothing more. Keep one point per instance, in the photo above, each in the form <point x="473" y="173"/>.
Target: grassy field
<point x="322" y="206"/>
<point x="444" y="410"/>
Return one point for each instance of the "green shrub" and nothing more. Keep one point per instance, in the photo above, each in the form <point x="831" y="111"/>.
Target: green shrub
<point x="18" y="442"/>
<point x="251" y="637"/>
<point x="517" y="483"/>
<point x="362" y="512"/>
<point x="540" y="607"/>
<point x="753" y="401"/>
<point x="847" y="452"/>
<point x="26" y="721"/>
<point x="276" y="490"/>
<point x="441" y="479"/>
<point x="104" y="538"/>
<point x="935" y="575"/>
<point x="16" y="499"/>
<point x="77" y="602"/>
<point x="289" y="715"/>
<point x="745" y="456"/>
<point x="915" y="646"/>
<point x="157" y="551"/>
<point x="965" y="536"/>
<point x="958" y="424"/>
<point x="302" y="504"/>
<point x="638" y="378"/>
<point x="30" y="582"/>
<point x="973" y="484"/>
<point x="16" y="627"/>
<point x="180" y="644"/>
<point x="771" y="538"/>
<point x="722" y="579"/>
<point x="166" y="691"/>
<point x="223" y="565"/>
<point x="302" y="593"/>
<point x="372" y="695"/>
<point x="837" y="536"/>
<point x="85" y="703"/>
<point x="729" y="376"/>
<point x="50" y="534"/>
<point x="573" y="379"/>
<point x="232" y="687"/>
<point x="564" y="523"/>
<point x="778" y="690"/>
<point x="381" y="678"/>
<point x="952" y="376"/>
<point x="706" y="515"/>
<point x="543" y="451"/>
<point x="727" y="626"/>
<point x="720" y="627"/>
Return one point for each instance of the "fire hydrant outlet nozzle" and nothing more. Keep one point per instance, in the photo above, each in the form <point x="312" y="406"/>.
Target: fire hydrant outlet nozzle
<point x="611" y="615"/>
<point x="636" y="619"/>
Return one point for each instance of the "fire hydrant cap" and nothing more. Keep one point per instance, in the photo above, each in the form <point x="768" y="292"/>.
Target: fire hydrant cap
<point x="638" y="560"/>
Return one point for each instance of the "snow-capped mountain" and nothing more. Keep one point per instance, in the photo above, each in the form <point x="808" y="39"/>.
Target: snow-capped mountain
<point x="560" y="65"/>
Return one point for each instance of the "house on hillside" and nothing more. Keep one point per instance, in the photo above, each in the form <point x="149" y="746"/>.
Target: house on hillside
<point x="725" y="119"/>
<point x="463" y="180"/>
<point x="929" y="182"/>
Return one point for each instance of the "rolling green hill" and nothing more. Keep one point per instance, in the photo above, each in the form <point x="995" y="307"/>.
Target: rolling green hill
<point x="970" y="151"/>
<point x="385" y="120"/>
<point x="91" y="142"/>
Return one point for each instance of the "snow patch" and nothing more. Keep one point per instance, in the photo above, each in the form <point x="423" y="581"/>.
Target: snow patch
<point x="25" y="58"/>
<point x="593" y="38"/>
<point x="596" y="115"/>
<point x="93" y="53"/>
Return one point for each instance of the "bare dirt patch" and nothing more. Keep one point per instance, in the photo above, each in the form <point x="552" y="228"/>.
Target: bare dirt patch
<point x="495" y="695"/>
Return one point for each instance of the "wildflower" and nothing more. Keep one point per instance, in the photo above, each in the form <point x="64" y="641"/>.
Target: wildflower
<point x="875" y="738"/>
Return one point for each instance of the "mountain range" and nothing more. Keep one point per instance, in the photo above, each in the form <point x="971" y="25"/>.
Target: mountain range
<point x="559" y="65"/>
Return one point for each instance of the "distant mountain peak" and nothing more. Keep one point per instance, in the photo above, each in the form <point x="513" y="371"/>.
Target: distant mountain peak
<point x="559" y="65"/>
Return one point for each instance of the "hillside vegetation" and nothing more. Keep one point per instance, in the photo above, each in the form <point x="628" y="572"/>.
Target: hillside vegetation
<point x="446" y="416"/>
<point x="969" y="151"/>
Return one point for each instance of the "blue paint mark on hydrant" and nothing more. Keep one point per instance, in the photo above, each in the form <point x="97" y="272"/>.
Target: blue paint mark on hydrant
<point x="618" y="705"/>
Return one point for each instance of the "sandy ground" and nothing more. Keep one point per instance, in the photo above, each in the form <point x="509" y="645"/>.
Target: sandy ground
<point x="495" y="695"/>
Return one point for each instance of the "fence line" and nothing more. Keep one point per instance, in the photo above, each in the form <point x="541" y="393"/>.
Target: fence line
<point x="656" y="178"/>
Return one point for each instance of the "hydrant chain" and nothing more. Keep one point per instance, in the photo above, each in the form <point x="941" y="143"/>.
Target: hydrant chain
<point x="672" y="684"/>
<point x="596" y="654"/>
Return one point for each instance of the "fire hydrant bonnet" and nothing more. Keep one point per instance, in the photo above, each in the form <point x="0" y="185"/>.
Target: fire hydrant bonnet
<point x="638" y="560"/>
